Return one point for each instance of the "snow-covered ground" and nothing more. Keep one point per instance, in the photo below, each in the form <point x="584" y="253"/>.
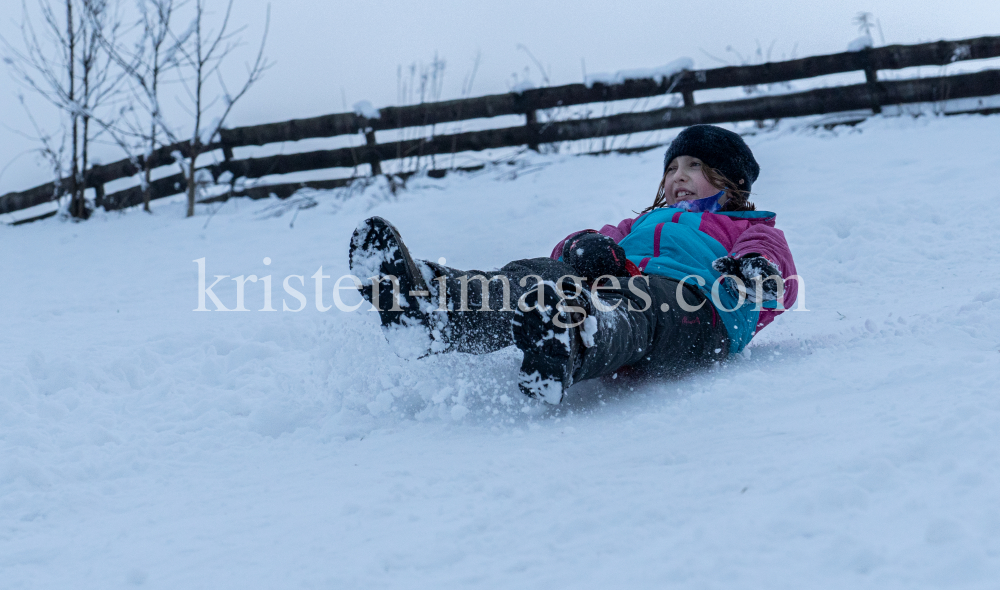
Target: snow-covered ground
<point x="145" y="444"/>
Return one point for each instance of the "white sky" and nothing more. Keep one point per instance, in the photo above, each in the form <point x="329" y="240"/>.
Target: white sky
<point x="329" y="51"/>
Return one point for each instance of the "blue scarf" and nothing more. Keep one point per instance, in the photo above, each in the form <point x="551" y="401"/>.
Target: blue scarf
<point x="706" y="205"/>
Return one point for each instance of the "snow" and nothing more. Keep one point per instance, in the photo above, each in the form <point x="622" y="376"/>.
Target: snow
<point x="961" y="52"/>
<point x="144" y="444"/>
<point x="588" y="331"/>
<point x="863" y="42"/>
<point x="521" y="86"/>
<point x="364" y="108"/>
<point x="659" y="74"/>
<point x="548" y="390"/>
<point x="203" y="175"/>
<point x="367" y="262"/>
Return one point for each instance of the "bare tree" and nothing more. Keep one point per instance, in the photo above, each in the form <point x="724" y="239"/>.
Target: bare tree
<point x="98" y="78"/>
<point x="64" y="64"/>
<point x="146" y="62"/>
<point x="200" y="54"/>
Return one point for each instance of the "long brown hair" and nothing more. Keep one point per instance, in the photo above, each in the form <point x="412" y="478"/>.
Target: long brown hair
<point x="736" y="198"/>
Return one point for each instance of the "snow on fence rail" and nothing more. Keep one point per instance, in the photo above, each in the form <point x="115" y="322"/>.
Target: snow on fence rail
<point x="873" y="95"/>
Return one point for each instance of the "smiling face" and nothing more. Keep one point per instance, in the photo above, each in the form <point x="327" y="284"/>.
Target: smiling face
<point x="685" y="180"/>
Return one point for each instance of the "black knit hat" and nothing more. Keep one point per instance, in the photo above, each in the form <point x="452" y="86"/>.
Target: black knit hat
<point x="719" y="148"/>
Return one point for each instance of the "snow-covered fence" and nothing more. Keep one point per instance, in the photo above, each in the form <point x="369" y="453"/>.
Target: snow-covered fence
<point x="873" y="95"/>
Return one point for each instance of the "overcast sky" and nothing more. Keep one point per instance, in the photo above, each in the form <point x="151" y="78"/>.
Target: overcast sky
<point x="328" y="52"/>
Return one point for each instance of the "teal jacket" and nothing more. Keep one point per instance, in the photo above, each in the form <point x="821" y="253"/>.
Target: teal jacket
<point x="682" y="246"/>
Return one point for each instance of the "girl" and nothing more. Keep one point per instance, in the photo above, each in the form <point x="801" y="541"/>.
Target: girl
<point x="685" y="284"/>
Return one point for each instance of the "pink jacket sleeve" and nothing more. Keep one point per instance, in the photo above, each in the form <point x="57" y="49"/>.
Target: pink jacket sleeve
<point x="770" y="243"/>
<point x="615" y="232"/>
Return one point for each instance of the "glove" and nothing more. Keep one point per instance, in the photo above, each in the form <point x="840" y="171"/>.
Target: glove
<point x="751" y="269"/>
<point x="593" y="255"/>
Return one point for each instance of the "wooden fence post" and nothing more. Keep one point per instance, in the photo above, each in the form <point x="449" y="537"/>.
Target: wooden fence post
<point x="531" y="122"/>
<point x="871" y="77"/>
<point x="98" y="195"/>
<point x="688" y="97"/>
<point x="227" y="155"/>
<point x="375" y="162"/>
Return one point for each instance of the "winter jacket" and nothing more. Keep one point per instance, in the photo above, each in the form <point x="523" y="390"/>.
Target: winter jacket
<point x="674" y="243"/>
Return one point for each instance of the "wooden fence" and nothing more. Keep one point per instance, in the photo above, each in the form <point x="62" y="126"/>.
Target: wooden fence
<point x="873" y="94"/>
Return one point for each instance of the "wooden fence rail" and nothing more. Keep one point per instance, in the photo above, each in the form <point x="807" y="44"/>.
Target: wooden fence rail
<point x="871" y="95"/>
<point x="892" y="57"/>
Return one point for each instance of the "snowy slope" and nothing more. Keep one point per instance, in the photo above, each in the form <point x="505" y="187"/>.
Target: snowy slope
<point x="143" y="444"/>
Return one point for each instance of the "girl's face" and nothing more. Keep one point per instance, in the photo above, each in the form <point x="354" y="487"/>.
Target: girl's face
<point x="685" y="181"/>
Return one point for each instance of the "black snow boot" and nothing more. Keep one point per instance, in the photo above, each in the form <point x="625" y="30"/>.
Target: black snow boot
<point x="420" y="302"/>
<point x="405" y="298"/>
<point x="551" y="335"/>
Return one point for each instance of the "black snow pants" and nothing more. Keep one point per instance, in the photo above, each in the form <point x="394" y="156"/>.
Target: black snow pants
<point x="648" y="331"/>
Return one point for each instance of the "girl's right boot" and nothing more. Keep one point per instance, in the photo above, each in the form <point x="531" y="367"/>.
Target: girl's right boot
<point x="418" y="319"/>
<point x="398" y="287"/>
